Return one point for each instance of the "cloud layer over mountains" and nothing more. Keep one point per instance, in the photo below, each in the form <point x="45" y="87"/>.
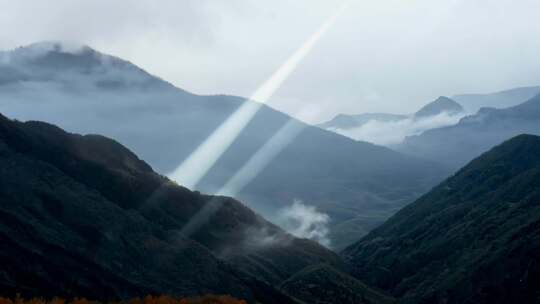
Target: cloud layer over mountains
<point x="388" y="133"/>
<point x="206" y="46"/>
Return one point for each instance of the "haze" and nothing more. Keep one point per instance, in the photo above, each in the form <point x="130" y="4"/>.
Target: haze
<point x="389" y="55"/>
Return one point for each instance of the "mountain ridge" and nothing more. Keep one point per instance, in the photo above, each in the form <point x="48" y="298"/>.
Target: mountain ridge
<point x="390" y="130"/>
<point x="93" y="204"/>
<point x="478" y="132"/>
<point x="440" y="105"/>
<point x="473" y="238"/>
<point x="500" y="99"/>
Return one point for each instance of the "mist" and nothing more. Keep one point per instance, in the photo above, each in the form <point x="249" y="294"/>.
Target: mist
<point x="305" y="221"/>
<point x="388" y="133"/>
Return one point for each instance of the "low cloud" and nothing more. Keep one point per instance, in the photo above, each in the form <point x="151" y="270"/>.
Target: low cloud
<point x="264" y="237"/>
<point x="305" y="221"/>
<point x="394" y="132"/>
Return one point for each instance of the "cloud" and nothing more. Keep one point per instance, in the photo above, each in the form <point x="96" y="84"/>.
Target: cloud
<point x="394" y="132"/>
<point x="263" y="237"/>
<point x="305" y="221"/>
<point x="193" y="21"/>
<point x="363" y="64"/>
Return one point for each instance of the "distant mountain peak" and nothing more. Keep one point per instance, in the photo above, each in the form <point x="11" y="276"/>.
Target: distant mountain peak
<point x="57" y="46"/>
<point x="438" y="106"/>
<point x="37" y="50"/>
<point x="70" y="61"/>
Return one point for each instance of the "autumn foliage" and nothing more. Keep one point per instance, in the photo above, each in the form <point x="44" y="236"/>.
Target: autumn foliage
<point x="207" y="299"/>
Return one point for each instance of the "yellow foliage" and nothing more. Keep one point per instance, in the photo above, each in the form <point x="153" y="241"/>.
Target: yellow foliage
<point x="149" y="299"/>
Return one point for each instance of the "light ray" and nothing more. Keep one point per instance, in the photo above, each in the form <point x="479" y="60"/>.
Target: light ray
<point x="279" y="141"/>
<point x="195" y="166"/>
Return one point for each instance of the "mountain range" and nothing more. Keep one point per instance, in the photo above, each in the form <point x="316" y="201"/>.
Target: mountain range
<point x="84" y="216"/>
<point x="356" y="184"/>
<point x="455" y="145"/>
<point x="436" y="107"/>
<point x="502" y="99"/>
<point x="391" y="129"/>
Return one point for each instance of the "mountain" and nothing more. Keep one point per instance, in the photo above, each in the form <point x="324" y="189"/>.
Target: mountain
<point x="317" y="285"/>
<point x="357" y="184"/>
<point x="438" y="106"/>
<point x="455" y="145"/>
<point x="475" y="238"/>
<point x="502" y="99"/>
<point x="391" y="129"/>
<point x="84" y="216"/>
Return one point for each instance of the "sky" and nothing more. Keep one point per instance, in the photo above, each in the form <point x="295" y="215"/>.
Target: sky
<point x="379" y="56"/>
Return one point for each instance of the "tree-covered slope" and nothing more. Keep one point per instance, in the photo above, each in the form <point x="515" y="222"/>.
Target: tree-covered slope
<point x="323" y="284"/>
<point x="83" y="216"/>
<point x="475" y="238"/>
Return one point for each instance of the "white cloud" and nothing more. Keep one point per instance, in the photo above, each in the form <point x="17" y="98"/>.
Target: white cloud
<point x="305" y="221"/>
<point x="394" y="132"/>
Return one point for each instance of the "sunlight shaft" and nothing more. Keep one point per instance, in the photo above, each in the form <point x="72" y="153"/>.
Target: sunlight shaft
<point x="195" y="166"/>
<point x="257" y="163"/>
<point x="262" y="158"/>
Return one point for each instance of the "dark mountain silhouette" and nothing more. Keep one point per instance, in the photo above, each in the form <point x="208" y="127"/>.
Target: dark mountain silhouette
<point x="475" y="238"/>
<point x="84" y="216"/>
<point x="455" y="145"/>
<point x="358" y="184"/>
<point x="438" y="106"/>
<point x="502" y="99"/>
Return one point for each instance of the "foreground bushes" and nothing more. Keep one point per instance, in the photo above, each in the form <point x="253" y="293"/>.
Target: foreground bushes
<point x="208" y="299"/>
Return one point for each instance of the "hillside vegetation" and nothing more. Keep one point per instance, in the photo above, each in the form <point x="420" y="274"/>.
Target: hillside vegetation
<point x="475" y="238"/>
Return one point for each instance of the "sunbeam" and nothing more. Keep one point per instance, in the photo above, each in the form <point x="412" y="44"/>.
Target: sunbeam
<point x="195" y="166"/>
<point x="262" y="157"/>
<point x="279" y="141"/>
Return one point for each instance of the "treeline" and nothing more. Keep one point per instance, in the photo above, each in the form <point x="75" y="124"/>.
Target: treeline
<point x="207" y="299"/>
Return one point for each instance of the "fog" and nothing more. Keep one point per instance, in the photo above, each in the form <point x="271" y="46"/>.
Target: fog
<point x="388" y="133"/>
<point x="305" y="221"/>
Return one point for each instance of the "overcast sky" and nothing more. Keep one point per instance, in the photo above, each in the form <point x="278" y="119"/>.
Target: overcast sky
<point x="380" y="55"/>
